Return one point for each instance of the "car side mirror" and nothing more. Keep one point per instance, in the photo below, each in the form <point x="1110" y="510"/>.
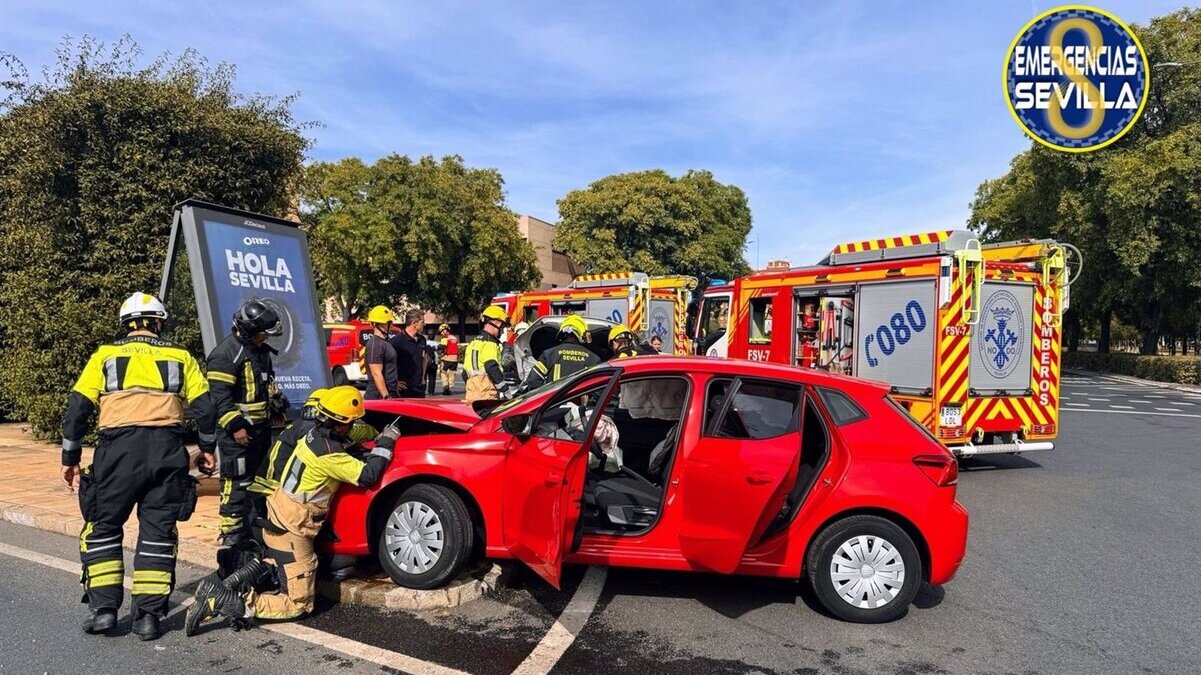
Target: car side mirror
<point x="518" y="425"/>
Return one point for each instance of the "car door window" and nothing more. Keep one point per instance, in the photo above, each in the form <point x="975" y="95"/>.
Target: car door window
<point x="751" y="409"/>
<point x="570" y="416"/>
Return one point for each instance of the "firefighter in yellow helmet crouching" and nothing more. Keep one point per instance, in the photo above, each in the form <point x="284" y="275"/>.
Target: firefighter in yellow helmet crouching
<point x="139" y="385"/>
<point x="481" y="359"/>
<point x="568" y="357"/>
<point x="319" y="465"/>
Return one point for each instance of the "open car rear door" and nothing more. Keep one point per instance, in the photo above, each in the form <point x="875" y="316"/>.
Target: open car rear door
<point x="734" y="482"/>
<point x="544" y="477"/>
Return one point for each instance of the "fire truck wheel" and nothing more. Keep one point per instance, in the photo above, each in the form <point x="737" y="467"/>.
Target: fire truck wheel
<point x="864" y="569"/>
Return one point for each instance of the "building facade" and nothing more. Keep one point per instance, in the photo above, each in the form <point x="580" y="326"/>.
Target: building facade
<point x="557" y="269"/>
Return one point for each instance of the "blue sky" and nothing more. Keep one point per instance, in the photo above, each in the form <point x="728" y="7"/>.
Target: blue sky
<point x="840" y="120"/>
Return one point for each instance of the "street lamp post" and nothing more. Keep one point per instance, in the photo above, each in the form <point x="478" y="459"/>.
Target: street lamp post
<point x="754" y="241"/>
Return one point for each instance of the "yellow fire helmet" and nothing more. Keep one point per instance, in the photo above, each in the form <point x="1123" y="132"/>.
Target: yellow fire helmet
<point x="311" y="401"/>
<point x="574" y="325"/>
<point x="342" y="405"/>
<point x="443" y="327"/>
<point x="619" y="331"/>
<point x="380" y="314"/>
<point x="495" y="313"/>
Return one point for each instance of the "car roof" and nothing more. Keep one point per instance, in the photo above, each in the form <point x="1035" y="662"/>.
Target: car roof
<point x="744" y="368"/>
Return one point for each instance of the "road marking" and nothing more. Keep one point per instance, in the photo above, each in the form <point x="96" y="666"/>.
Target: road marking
<point x="1082" y="404"/>
<point x="1183" y="403"/>
<point x="337" y="643"/>
<point x="1129" y="412"/>
<point x="1170" y="409"/>
<point x="1154" y="396"/>
<point x="569" y="624"/>
<point x="1122" y="407"/>
<point x="1099" y="399"/>
<point x="1138" y="400"/>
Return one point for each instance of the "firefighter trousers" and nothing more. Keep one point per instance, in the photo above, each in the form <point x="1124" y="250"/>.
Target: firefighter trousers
<point x="296" y="564"/>
<point x="238" y="465"/>
<point x="146" y="467"/>
<point x="446" y="373"/>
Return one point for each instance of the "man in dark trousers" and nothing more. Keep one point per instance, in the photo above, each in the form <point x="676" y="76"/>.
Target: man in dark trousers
<point x="409" y="344"/>
<point x="140" y="385"/>
<point x="242" y="380"/>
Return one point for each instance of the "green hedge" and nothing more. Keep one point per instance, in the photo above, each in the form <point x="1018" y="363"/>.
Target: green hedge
<point x="1177" y="369"/>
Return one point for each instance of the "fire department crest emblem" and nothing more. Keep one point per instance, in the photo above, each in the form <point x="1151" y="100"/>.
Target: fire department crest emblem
<point x="659" y="324"/>
<point x="1003" y="334"/>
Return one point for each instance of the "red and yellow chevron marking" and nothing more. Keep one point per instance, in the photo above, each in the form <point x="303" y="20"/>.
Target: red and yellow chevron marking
<point x="894" y="242"/>
<point x="954" y="347"/>
<point x="637" y="312"/>
<point x="606" y="276"/>
<point x="1045" y="364"/>
<point x="682" y="345"/>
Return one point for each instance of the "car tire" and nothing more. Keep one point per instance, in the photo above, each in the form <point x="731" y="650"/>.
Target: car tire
<point x="864" y="569"/>
<point x="442" y="543"/>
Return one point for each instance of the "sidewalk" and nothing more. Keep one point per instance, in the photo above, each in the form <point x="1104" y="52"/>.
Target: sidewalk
<point x="33" y="494"/>
<point x="1189" y="388"/>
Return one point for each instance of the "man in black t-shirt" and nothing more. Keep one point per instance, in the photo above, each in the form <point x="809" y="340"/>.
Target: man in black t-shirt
<point x="382" y="374"/>
<point x="409" y="344"/>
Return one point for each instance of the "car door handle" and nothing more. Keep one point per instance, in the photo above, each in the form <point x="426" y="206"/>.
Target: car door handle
<point x="554" y="478"/>
<point x="758" y="477"/>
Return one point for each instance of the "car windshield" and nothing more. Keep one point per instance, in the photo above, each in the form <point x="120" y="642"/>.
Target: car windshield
<point x="549" y="386"/>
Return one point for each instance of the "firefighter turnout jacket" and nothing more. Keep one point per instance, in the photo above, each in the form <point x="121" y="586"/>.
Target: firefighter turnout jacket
<point x="562" y="360"/>
<point x="241" y="378"/>
<point x="138" y="381"/>
<point x="270" y="473"/>
<point x="482" y="369"/>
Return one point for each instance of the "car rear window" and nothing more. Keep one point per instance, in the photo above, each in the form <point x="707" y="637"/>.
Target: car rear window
<point x="843" y="410"/>
<point x="758" y="409"/>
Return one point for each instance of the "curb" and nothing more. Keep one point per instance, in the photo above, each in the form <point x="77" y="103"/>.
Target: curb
<point x="372" y="592"/>
<point x="1192" y="389"/>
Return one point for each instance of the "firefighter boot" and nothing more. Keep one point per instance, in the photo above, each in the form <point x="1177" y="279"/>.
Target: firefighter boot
<point x="213" y="599"/>
<point x="247" y="576"/>
<point x="146" y="626"/>
<point x="101" y="621"/>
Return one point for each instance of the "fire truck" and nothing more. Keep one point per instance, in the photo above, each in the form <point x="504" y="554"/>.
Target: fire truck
<point x="968" y="335"/>
<point x="650" y="305"/>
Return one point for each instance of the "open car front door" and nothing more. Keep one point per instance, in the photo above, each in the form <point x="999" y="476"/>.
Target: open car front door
<point x="544" y="476"/>
<point x="735" y="479"/>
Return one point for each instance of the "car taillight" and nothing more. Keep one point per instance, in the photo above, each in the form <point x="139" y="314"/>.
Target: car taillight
<point x="942" y="470"/>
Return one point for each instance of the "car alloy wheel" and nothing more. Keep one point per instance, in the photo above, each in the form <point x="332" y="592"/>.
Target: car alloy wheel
<point x="867" y="571"/>
<point x="414" y="537"/>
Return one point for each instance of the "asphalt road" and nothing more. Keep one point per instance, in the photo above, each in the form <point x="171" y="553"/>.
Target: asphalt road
<point x="1080" y="560"/>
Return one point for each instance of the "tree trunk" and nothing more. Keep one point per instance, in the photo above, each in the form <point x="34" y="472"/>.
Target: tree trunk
<point x="1071" y="329"/>
<point x="462" y="312"/>
<point x="1150" y="344"/>
<point x="1103" y="337"/>
<point x="1172" y="345"/>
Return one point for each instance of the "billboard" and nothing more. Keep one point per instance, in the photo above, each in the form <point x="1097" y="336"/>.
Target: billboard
<point x="236" y="255"/>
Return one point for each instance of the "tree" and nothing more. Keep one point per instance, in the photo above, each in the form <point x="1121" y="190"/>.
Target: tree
<point x="92" y="160"/>
<point x="648" y="221"/>
<point x="1131" y="208"/>
<point x="434" y="232"/>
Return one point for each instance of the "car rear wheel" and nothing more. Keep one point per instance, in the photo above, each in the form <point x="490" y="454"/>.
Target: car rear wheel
<point x="426" y="537"/>
<point x="865" y="569"/>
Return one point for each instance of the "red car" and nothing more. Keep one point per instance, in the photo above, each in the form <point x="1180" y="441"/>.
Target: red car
<point x="670" y="463"/>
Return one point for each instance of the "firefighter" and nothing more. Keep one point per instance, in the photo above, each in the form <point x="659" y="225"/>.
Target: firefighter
<point x="481" y="360"/>
<point x="242" y="379"/>
<point x="625" y="344"/>
<point x="380" y="357"/>
<point x="568" y="357"/>
<point x="139" y="384"/>
<point x="270" y="472"/>
<point x="319" y="465"/>
<point x="448" y="363"/>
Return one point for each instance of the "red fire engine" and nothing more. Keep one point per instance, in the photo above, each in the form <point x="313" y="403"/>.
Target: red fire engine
<point x="967" y="335"/>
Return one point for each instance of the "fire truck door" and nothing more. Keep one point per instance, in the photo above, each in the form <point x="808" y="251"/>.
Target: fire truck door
<point x="609" y="309"/>
<point x="662" y="324"/>
<point x="1001" y="347"/>
<point x="895" y="333"/>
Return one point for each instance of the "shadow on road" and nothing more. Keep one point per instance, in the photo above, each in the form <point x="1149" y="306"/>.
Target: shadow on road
<point x="997" y="462"/>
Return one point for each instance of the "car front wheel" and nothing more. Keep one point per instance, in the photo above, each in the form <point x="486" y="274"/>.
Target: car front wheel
<point x="865" y="569"/>
<point x="426" y="537"/>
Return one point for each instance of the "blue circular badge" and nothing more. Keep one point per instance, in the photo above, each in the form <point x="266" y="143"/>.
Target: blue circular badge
<point x="1076" y="78"/>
